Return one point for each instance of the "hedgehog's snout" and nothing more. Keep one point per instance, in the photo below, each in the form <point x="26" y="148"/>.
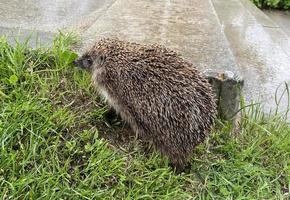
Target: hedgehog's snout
<point x="75" y="62"/>
<point x="84" y="62"/>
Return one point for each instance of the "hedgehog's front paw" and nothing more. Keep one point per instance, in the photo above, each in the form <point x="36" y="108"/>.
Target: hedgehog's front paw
<point x="111" y="116"/>
<point x="178" y="168"/>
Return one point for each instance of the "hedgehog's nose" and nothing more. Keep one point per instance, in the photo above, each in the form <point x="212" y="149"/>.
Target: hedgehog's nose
<point x="76" y="63"/>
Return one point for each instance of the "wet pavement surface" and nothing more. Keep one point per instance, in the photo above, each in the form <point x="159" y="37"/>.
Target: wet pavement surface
<point x="218" y="34"/>
<point x="36" y="37"/>
<point x="189" y="27"/>
<point x="282" y="18"/>
<point x="44" y="18"/>
<point x="47" y="15"/>
<point x="261" y="50"/>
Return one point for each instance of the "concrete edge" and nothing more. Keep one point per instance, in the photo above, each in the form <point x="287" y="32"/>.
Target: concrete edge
<point x="85" y="22"/>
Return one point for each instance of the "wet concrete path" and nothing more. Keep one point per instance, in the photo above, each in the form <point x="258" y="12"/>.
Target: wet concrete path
<point x="219" y="34"/>
<point x="189" y="27"/>
<point x="44" y="18"/>
<point x="282" y="18"/>
<point x="261" y="49"/>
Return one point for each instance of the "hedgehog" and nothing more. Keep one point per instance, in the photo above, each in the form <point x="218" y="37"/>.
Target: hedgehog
<point x="163" y="97"/>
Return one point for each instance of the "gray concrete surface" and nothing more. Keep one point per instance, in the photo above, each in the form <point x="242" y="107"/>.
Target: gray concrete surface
<point x="274" y="30"/>
<point x="260" y="48"/>
<point x="44" y="18"/>
<point x="282" y="18"/>
<point x="189" y="27"/>
<point x="49" y="15"/>
<point x="37" y="37"/>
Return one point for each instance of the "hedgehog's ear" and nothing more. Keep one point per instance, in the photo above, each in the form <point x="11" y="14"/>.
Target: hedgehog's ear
<point x="102" y="59"/>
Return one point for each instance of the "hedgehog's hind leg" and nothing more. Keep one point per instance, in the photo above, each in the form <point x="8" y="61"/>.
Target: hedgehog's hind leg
<point x="179" y="162"/>
<point x="177" y="155"/>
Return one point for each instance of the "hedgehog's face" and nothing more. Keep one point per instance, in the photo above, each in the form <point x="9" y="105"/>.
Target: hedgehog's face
<point x="84" y="62"/>
<point x="88" y="61"/>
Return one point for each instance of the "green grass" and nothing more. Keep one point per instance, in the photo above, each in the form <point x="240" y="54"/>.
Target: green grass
<point x="52" y="146"/>
<point x="276" y="4"/>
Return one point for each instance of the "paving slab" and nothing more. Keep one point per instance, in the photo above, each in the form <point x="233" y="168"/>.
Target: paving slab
<point x="260" y="49"/>
<point x="36" y="38"/>
<point x="282" y="18"/>
<point x="49" y="15"/>
<point x="271" y="27"/>
<point x="45" y="18"/>
<point x="190" y="27"/>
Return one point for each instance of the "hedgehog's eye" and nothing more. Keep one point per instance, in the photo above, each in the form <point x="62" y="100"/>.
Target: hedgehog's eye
<point x="90" y="61"/>
<point x="87" y="62"/>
